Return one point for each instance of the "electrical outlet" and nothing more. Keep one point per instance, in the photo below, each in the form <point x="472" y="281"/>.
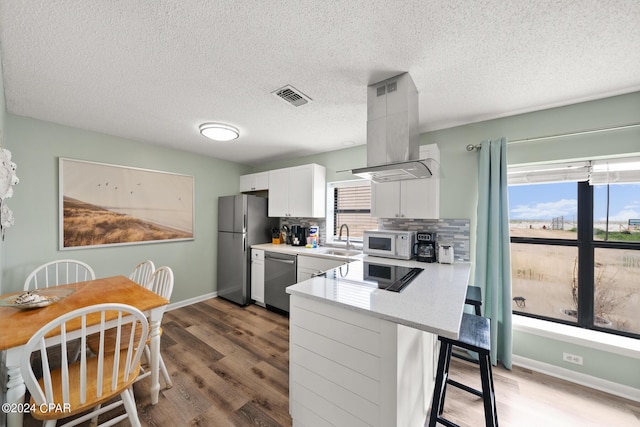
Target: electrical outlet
<point x="572" y="358"/>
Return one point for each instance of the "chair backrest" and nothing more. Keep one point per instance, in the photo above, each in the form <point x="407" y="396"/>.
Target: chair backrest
<point x="143" y="272"/>
<point x="162" y="282"/>
<point x="92" y="378"/>
<point x="60" y="272"/>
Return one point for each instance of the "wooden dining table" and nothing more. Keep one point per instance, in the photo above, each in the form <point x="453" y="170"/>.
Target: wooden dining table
<point x="18" y="325"/>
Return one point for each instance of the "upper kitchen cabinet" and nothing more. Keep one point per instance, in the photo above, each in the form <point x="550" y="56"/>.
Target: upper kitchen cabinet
<point x="418" y="198"/>
<point x="298" y="191"/>
<point x="254" y="182"/>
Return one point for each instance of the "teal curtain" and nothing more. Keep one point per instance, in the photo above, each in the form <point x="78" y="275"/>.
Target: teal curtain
<point x="493" y="259"/>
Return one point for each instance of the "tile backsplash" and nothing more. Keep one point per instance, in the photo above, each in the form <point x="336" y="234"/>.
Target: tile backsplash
<point x="307" y="222"/>
<point x="455" y="231"/>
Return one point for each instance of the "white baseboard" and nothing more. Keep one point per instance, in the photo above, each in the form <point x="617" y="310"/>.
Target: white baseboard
<point x="190" y="301"/>
<point x="578" y="378"/>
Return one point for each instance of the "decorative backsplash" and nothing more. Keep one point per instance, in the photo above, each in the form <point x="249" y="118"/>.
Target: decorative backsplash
<point x="455" y="231"/>
<point x="307" y="222"/>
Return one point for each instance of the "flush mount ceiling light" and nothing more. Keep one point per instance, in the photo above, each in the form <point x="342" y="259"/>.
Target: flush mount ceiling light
<point x="219" y="131"/>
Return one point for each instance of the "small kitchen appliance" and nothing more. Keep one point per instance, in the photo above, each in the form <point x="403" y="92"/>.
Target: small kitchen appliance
<point x="424" y="250"/>
<point x="299" y="235"/>
<point x="445" y="253"/>
<point x="389" y="243"/>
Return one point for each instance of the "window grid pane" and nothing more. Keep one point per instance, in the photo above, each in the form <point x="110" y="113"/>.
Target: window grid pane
<point x="352" y="206"/>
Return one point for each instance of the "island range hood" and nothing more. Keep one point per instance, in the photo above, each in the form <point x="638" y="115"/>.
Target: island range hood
<point x="392" y="133"/>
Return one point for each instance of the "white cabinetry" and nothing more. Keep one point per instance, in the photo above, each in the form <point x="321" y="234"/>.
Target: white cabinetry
<point x="297" y="191"/>
<point x="309" y="266"/>
<point x="418" y="198"/>
<point x="254" y="182"/>
<point x="257" y="276"/>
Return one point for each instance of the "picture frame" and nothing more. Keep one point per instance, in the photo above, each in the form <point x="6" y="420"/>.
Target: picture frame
<point x="103" y="204"/>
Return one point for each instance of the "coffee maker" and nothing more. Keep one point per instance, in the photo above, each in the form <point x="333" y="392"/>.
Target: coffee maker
<point x="424" y="250"/>
<point x="299" y="235"/>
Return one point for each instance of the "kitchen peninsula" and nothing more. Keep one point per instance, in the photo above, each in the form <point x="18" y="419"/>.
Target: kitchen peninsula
<point x="363" y="356"/>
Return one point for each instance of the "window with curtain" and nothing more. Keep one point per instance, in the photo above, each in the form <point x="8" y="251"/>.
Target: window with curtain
<point x="575" y="243"/>
<point x="350" y="203"/>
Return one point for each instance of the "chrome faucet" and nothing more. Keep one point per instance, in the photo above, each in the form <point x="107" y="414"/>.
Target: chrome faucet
<point x="340" y="235"/>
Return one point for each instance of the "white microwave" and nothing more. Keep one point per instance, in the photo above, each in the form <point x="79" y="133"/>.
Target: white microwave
<point x="389" y="243"/>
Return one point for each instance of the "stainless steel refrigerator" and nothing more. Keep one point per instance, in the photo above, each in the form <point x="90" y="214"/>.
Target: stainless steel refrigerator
<point x="242" y="222"/>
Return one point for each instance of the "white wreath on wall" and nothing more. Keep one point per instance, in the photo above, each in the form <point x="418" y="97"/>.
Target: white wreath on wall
<point x="8" y="179"/>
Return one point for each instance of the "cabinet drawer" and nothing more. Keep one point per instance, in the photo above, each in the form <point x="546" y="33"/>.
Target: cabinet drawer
<point x="257" y="254"/>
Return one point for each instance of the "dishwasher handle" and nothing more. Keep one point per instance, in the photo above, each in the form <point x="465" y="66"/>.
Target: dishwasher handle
<point x="284" y="261"/>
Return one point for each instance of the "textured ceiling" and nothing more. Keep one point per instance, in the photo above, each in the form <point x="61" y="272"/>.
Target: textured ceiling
<point x="154" y="70"/>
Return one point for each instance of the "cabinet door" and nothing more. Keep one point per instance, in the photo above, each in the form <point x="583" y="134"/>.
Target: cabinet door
<point x="257" y="276"/>
<point x="246" y="182"/>
<point x="254" y="182"/>
<point x="301" y="191"/>
<point x="385" y="200"/>
<point x="261" y="181"/>
<point x="279" y="192"/>
<point x="304" y="274"/>
<point x="420" y="198"/>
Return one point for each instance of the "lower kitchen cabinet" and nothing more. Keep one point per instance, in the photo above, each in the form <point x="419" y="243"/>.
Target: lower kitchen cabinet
<point x="257" y="276"/>
<point x="309" y="266"/>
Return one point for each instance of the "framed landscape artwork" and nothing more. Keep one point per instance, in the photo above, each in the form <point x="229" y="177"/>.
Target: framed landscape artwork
<point x="102" y="204"/>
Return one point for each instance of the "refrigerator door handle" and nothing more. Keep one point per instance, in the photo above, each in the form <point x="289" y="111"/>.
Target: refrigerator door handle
<point x="245" y="223"/>
<point x="244" y="244"/>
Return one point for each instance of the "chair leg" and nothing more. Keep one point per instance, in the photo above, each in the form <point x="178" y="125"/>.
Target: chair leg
<point x="94" y="420"/>
<point x="438" y="392"/>
<point x="165" y="373"/>
<point x="130" y="407"/>
<point x="447" y="365"/>
<point x="488" y="399"/>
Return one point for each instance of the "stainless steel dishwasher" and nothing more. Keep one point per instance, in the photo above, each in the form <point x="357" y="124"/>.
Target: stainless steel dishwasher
<point x="280" y="271"/>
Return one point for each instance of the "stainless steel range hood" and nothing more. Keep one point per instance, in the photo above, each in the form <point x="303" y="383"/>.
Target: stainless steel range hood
<point x="392" y="133"/>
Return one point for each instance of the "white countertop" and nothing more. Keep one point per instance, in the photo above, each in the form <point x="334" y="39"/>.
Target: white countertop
<point x="302" y="250"/>
<point x="432" y="302"/>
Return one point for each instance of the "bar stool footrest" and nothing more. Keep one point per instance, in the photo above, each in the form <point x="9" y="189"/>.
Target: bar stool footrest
<point x="465" y="387"/>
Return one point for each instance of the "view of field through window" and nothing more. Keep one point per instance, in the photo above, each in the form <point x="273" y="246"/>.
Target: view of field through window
<point x="545" y="276"/>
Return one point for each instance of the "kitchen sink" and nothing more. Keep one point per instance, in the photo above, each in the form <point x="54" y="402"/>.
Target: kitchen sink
<point x="341" y="252"/>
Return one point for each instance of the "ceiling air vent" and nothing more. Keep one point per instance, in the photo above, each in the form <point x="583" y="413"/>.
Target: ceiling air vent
<point x="292" y="95"/>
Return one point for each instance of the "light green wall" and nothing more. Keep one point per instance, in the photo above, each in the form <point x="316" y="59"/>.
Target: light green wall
<point x="459" y="187"/>
<point x="3" y="114"/>
<point x="36" y="147"/>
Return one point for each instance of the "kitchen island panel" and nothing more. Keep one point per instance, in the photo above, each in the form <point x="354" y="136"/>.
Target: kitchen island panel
<point x="353" y="358"/>
<point x="337" y="394"/>
<point x="340" y="328"/>
<point x="326" y="374"/>
<point x="320" y="412"/>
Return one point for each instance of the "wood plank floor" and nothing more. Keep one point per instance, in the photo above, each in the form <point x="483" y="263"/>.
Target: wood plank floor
<point x="229" y="366"/>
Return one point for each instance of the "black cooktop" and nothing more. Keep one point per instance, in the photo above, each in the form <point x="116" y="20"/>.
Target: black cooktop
<point x="392" y="278"/>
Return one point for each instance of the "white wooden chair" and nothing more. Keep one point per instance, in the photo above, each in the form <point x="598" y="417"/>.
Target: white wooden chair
<point x="143" y="272"/>
<point x="78" y="387"/>
<point x="162" y="284"/>
<point x="59" y="272"/>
